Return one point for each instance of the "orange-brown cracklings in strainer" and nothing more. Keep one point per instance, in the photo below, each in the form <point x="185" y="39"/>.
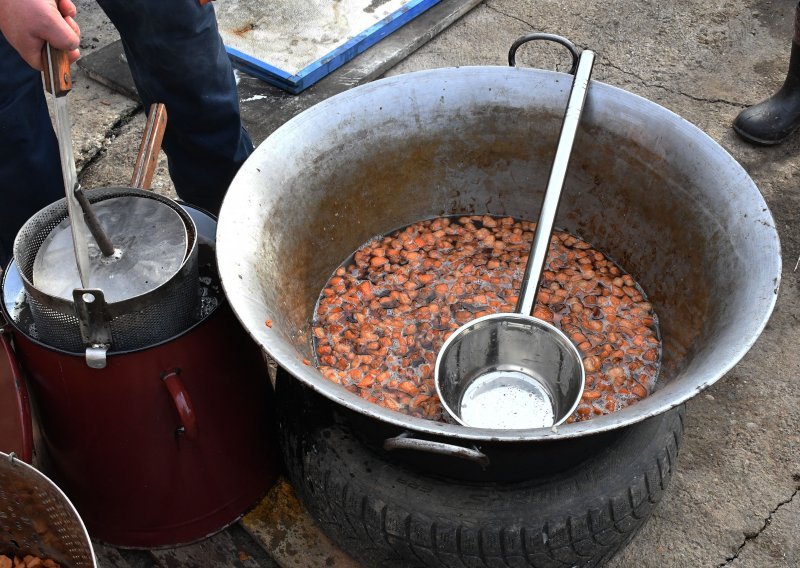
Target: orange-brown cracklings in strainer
<point x="28" y="561"/>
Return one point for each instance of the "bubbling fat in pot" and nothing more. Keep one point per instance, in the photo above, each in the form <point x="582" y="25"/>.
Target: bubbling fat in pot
<point x="383" y="315"/>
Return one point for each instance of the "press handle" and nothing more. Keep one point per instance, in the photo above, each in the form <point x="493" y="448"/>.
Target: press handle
<point x="183" y="404"/>
<point x="404" y="441"/>
<point x="57" y="75"/>
<point x="150" y="146"/>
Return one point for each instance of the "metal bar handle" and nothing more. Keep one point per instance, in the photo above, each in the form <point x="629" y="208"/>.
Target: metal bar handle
<point x="105" y="244"/>
<point x="404" y="441"/>
<point x="58" y="81"/>
<point x="512" y="52"/>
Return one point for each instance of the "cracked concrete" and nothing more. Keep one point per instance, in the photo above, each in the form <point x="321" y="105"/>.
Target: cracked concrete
<point x="763" y="550"/>
<point x="97" y="114"/>
<point x="733" y="499"/>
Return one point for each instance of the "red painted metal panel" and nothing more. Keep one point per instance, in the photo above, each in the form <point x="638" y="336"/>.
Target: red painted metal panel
<point x="117" y="446"/>
<point x="16" y="433"/>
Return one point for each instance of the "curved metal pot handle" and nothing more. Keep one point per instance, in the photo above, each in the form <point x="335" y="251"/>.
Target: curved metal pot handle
<point x="182" y="402"/>
<point x="404" y="441"/>
<point x="544" y="37"/>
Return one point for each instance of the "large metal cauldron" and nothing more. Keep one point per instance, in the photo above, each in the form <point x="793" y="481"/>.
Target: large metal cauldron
<point x="644" y="185"/>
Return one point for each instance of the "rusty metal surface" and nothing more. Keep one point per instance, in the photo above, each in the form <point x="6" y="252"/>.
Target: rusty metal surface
<point x="645" y="186"/>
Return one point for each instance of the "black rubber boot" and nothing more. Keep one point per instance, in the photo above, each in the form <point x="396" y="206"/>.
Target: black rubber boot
<point x="773" y="120"/>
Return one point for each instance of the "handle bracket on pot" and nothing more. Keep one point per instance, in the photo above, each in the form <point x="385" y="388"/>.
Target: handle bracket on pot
<point x="404" y="441"/>
<point x="90" y="308"/>
<point x="512" y="53"/>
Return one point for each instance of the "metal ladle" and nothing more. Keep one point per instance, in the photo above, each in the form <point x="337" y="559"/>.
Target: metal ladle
<point x="512" y="370"/>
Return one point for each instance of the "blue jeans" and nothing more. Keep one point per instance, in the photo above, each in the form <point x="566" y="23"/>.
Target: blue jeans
<point x="176" y="57"/>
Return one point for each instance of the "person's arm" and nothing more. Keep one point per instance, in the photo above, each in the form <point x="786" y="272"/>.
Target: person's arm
<point x="28" y="24"/>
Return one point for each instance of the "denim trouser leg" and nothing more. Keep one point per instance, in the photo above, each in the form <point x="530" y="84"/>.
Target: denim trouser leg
<point x="177" y="58"/>
<point x="30" y="170"/>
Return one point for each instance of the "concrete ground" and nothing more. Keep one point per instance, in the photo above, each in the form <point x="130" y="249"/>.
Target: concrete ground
<point x="734" y="498"/>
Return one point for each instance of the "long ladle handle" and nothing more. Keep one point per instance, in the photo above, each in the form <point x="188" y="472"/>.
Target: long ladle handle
<point x="552" y="195"/>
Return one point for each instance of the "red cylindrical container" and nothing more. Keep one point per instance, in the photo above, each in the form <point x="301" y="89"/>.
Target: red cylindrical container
<point x="164" y="446"/>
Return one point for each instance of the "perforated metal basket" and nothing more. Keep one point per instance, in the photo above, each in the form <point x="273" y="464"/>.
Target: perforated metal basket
<point x="37" y="518"/>
<point x="129" y="324"/>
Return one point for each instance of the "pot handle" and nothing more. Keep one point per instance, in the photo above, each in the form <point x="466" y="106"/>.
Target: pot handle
<point x="404" y="441"/>
<point x="183" y="404"/>
<point x="512" y="53"/>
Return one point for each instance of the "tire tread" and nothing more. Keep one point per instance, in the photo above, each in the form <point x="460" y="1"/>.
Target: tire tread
<point x="385" y="533"/>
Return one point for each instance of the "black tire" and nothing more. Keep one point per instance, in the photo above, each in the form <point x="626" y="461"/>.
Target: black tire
<point x="386" y="514"/>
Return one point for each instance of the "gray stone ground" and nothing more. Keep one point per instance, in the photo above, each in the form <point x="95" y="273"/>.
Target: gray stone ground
<point x="734" y="499"/>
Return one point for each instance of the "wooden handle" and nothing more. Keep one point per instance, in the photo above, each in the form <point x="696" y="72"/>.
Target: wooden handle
<point x="150" y="147"/>
<point x="55" y="64"/>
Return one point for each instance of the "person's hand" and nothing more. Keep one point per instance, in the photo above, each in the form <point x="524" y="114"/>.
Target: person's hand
<point x="28" y="24"/>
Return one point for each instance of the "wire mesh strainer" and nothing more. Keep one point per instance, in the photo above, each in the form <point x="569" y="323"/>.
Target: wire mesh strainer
<point x="88" y="322"/>
<point x="37" y="518"/>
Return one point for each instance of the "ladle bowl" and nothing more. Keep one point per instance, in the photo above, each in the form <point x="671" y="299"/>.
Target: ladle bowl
<point x="509" y="371"/>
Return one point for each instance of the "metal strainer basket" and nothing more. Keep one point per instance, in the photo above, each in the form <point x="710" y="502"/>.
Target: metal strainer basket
<point x="90" y="323"/>
<point x="37" y="518"/>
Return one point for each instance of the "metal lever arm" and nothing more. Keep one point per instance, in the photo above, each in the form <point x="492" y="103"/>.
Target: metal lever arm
<point x="105" y="244"/>
<point x="58" y="81"/>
